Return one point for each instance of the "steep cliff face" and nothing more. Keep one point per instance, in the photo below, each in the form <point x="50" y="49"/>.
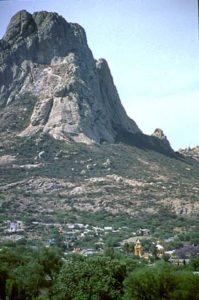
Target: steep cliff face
<point x="48" y="57"/>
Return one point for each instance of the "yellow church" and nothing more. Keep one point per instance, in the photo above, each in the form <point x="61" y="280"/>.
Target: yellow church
<point x="138" y="249"/>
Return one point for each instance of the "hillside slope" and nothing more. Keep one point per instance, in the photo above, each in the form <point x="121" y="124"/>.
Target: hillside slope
<point x="45" y="180"/>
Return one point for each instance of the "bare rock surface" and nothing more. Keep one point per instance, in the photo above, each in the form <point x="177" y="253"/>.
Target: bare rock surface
<point x="7" y="159"/>
<point x="190" y="152"/>
<point x="44" y="55"/>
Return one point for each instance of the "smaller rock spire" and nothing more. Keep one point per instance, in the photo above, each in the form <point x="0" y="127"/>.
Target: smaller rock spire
<point x="159" y="134"/>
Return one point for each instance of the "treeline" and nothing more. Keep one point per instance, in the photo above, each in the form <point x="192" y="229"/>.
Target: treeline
<point x="44" y="273"/>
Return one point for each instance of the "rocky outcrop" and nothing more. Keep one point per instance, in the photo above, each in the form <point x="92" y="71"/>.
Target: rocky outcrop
<point x="158" y="133"/>
<point x="190" y="152"/>
<point x="46" y="56"/>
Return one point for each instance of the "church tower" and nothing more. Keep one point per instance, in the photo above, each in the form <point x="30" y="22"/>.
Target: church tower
<point x="138" y="249"/>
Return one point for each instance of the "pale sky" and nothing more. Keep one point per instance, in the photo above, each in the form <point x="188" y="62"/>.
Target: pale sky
<point x="153" y="52"/>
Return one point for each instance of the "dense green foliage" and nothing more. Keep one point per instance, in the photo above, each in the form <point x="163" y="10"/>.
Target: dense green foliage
<point x="43" y="274"/>
<point x="162" y="282"/>
<point x="91" y="278"/>
<point x="24" y="272"/>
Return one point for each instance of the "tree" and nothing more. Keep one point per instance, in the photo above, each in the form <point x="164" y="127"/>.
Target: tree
<point x="25" y="281"/>
<point x="128" y="248"/>
<point x="50" y="260"/>
<point x="195" y="263"/>
<point x="151" y="283"/>
<point x="90" y="278"/>
<point x="187" y="287"/>
<point x="3" y="279"/>
<point x="24" y="271"/>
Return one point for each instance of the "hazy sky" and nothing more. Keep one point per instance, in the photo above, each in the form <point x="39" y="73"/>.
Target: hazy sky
<point x="152" y="49"/>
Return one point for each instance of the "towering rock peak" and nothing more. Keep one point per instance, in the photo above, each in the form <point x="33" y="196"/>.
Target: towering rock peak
<point x="49" y="58"/>
<point x="43" y="55"/>
<point x="21" y="24"/>
<point x="42" y="36"/>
